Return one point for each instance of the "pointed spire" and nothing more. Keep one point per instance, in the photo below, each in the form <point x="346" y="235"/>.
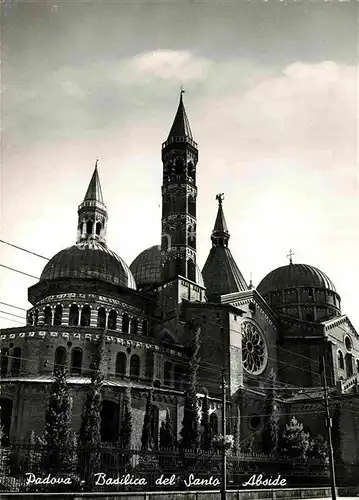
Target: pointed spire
<point x="181" y="126"/>
<point x="94" y="191"/>
<point x="92" y="213"/>
<point x="220" y="233"/>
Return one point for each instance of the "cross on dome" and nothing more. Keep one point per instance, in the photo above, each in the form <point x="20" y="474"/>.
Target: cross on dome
<point x="290" y="255"/>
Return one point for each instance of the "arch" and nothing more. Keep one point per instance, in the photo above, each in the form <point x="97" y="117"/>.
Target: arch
<point x="58" y="315"/>
<point x="349" y="364"/>
<point x="98" y="228"/>
<point x="30" y="319"/>
<point x="6" y="417"/>
<point x="167" y="339"/>
<point x="101" y="318"/>
<point x="121" y="365"/>
<point x="36" y="317"/>
<point x="213" y="424"/>
<point x="16" y="361"/>
<point x="112" y="319"/>
<point x="125" y="322"/>
<point x="144" y="327"/>
<point x="74" y="315"/>
<point x="60" y="357"/>
<point x="48" y="315"/>
<point x="178" y="377"/>
<point x="4" y="360"/>
<point x="76" y="361"/>
<point x="357" y="365"/>
<point x="149" y="364"/>
<point x="191" y="270"/>
<point x="89" y="227"/>
<point x="109" y="421"/>
<point x="167" y="373"/>
<point x="85" y="315"/>
<point x="348" y="343"/>
<point x="135" y="366"/>
<point x="134" y="325"/>
<point x="192" y="206"/>
<point x="341" y="360"/>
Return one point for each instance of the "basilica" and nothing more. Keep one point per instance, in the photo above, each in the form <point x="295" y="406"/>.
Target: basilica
<point x="146" y="312"/>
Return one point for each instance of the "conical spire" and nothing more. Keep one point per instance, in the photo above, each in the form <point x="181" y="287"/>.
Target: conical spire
<point x="220" y="234"/>
<point x="94" y="191"/>
<point x="220" y="273"/>
<point x="181" y="126"/>
<point x="92" y="213"/>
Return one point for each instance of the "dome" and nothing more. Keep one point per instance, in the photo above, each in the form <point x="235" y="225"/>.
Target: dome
<point x="147" y="268"/>
<point x="89" y="260"/>
<point x="294" y="276"/>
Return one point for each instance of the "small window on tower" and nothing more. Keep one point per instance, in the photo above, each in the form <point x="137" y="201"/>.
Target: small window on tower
<point x="89" y="227"/>
<point x="98" y="228"/>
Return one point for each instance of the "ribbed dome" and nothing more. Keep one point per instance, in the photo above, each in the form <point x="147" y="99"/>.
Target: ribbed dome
<point x="147" y="268"/>
<point x="293" y="276"/>
<point x="89" y="260"/>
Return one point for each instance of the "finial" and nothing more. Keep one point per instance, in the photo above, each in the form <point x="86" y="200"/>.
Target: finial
<point x="96" y="163"/>
<point x="220" y="198"/>
<point x="250" y="280"/>
<point x="290" y="255"/>
<point x="182" y="91"/>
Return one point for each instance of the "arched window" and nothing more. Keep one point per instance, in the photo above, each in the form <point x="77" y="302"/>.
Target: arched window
<point x="36" y="317"/>
<point x="178" y="377"/>
<point x="101" y="318"/>
<point x="357" y="365"/>
<point x="192" y="206"/>
<point x="145" y="327"/>
<point x="76" y="361"/>
<point x="341" y="360"/>
<point x="30" y="319"/>
<point x="58" y="315"/>
<point x="89" y="227"/>
<point x="125" y="323"/>
<point x="16" y="361"/>
<point x="349" y="364"/>
<point x="167" y="371"/>
<point x="86" y="315"/>
<point x="213" y="424"/>
<point x="74" y="315"/>
<point x="60" y="357"/>
<point x="112" y="319"/>
<point x="98" y="228"/>
<point x="4" y="360"/>
<point x="135" y="366"/>
<point x="348" y="344"/>
<point x="121" y="364"/>
<point x="191" y="270"/>
<point x="48" y="315"/>
<point x="134" y="325"/>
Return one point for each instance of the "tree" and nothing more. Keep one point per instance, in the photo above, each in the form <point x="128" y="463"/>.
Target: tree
<point x="296" y="443"/>
<point x="237" y="432"/>
<point x="166" y="432"/>
<point x="271" y="425"/>
<point x="190" y="424"/>
<point x="206" y="430"/>
<point x="57" y="431"/>
<point x="90" y="430"/>
<point x="147" y="438"/>
<point x="125" y="432"/>
<point x="319" y="449"/>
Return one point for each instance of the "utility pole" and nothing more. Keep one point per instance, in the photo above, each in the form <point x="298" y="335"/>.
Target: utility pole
<point x="328" y="422"/>
<point x="224" y="421"/>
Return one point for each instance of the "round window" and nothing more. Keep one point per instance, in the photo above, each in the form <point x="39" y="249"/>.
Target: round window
<point x="254" y="349"/>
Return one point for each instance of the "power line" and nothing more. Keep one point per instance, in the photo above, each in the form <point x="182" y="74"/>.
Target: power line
<point x="13" y="320"/>
<point x="15" y="307"/>
<point x="24" y="250"/>
<point x="11" y="314"/>
<point x="20" y="272"/>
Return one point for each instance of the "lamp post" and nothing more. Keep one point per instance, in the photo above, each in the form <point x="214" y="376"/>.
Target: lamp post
<point x="328" y="422"/>
<point x="224" y="421"/>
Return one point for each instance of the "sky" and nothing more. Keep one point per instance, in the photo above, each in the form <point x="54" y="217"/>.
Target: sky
<point x="271" y="92"/>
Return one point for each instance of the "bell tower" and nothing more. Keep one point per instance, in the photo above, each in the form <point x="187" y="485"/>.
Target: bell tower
<point x="179" y="193"/>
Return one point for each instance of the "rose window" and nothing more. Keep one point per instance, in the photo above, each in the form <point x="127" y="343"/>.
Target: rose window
<point x="254" y="350"/>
